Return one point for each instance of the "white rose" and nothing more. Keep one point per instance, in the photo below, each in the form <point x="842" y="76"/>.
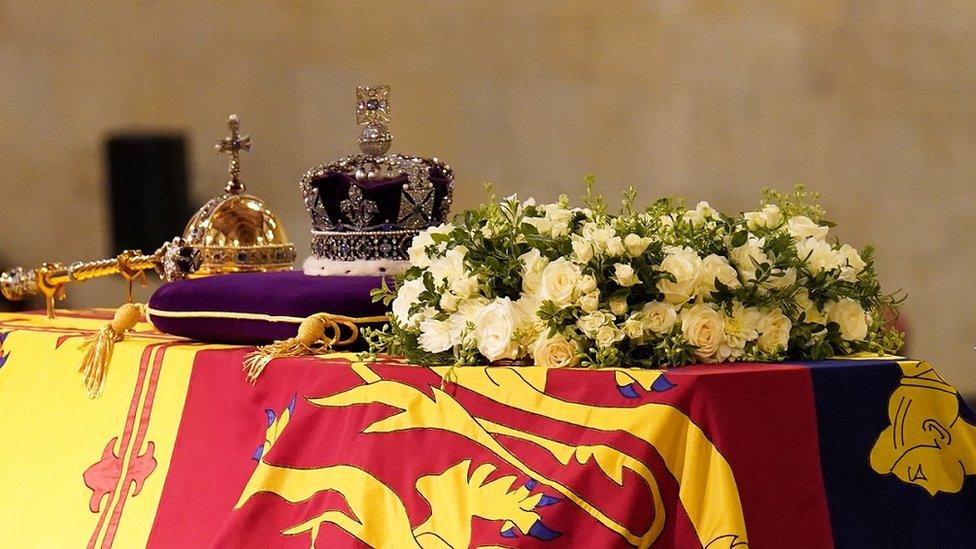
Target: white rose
<point x="449" y="266"/>
<point x="636" y="245"/>
<point x="607" y="335"/>
<point x="774" y="330"/>
<point x="625" y="275"/>
<point x="558" y="213"/>
<point x="494" y="329"/>
<point x="747" y="256"/>
<point x="716" y="268"/>
<point x="801" y="227"/>
<point x="555" y="352"/>
<point x="598" y="235"/>
<point x="819" y="256"/>
<point x="590" y="323"/>
<point x="633" y="327"/>
<point x="769" y="217"/>
<point x="781" y="278"/>
<point x="543" y="225"/>
<point x="813" y="314"/>
<point x="618" y="305"/>
<point x="590" y="302"/>
<point x="702" y="213"/>
<point x="659" y="316"/>
<point x="559" y="281"/>
<point x="704" y="328"/>
<point x="615" y="247"/>
<point x="464" y="286"/>
<point x="851" y="318"/>
<point x="685" y="266"/>
<point x="850" y="262"/>
<point x="582" y="250"/>
<point x="435" y="335"/>
<point x="407" y="295"/>
<point x="532" y="265"/>
<point x="417" y="252"/>
<point x="466" y="314"/>
<point x="448" y="302"/>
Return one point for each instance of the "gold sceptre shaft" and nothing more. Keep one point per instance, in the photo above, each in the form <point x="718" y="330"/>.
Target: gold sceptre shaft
<point x="173" y="261"/>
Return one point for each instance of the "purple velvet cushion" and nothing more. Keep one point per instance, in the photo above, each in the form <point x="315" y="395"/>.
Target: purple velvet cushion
<point x="274" y="302"/>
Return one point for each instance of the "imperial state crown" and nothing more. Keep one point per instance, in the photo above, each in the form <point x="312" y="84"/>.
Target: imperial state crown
<point x="235" y="231"/>
<point x="366" y="208"/>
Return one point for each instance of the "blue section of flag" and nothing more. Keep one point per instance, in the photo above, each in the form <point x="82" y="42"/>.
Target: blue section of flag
<point x="628" y="390"/>
<point x="868" y="509"/>
<point x="662" y="384"/>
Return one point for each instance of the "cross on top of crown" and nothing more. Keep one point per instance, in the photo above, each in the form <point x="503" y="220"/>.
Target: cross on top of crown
<point x="232" y="147"/>
<point x="372" y="104"/>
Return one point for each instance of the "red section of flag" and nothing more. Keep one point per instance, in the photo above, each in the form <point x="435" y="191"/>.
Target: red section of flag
<point x="767" y="432"/>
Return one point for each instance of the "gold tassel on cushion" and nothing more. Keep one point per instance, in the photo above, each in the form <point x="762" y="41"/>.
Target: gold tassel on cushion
<point x="317" y="334"/>
<point x="94" y="366"/>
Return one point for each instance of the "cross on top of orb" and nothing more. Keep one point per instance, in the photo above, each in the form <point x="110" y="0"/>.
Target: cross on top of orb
<point x="232" y="147"/>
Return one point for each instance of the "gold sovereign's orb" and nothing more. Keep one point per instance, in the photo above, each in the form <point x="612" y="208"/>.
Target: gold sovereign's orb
<point x="238" y="233"/>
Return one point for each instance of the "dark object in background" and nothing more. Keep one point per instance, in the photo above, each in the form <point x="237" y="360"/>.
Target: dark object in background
<point x="147" y="178"/>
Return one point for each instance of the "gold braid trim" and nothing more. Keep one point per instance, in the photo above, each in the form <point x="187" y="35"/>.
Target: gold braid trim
<point x="317" y="334"/>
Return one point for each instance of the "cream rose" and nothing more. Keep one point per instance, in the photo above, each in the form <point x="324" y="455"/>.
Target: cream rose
<point x="704" y="328"/>
<point x="851" y="263"/>
<point x="716" y="268"/>
<point x="618" y="305"/>
<point x="532" y="266"/>
<point x="494" y="330"/>
<point x="747" y="256"/>
<point x="774" y="331"/>
<point x="633" y="327"/>
<point x="813" y="314"/>
<point x="636" y="245"/>
<point x="801" y="227"/>
<point x="554" y="352"/>
<point x="685" y="266"/>
<point x="590" y="323"/>
<point x="615" y="247"/>
<point x="850" y="316"/>
<point x="590" y="302"/>
<point x="625" y="275"/>
<point x="659" y="316"/>
<point x="607" y="336"/>
<point x="582" y="250"/>
<point x="559" y="282"/>
<point x="587" y="284"/>
<point x="769" y="217"/>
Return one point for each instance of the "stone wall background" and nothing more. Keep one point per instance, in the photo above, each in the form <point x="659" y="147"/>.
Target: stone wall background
<point x="871" y="102"/>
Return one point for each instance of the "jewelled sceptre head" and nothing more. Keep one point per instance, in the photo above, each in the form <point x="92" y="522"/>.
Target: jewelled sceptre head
<point x="172" y="261"/>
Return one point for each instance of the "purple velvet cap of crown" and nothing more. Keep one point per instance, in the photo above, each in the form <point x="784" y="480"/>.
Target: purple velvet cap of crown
<point x="334" y="187"/>
<point x="288" y="293"/>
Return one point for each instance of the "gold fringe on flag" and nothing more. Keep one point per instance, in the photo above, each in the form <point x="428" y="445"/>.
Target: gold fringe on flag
<point x="317" y="334"/>
<point x="94" y="365"/>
